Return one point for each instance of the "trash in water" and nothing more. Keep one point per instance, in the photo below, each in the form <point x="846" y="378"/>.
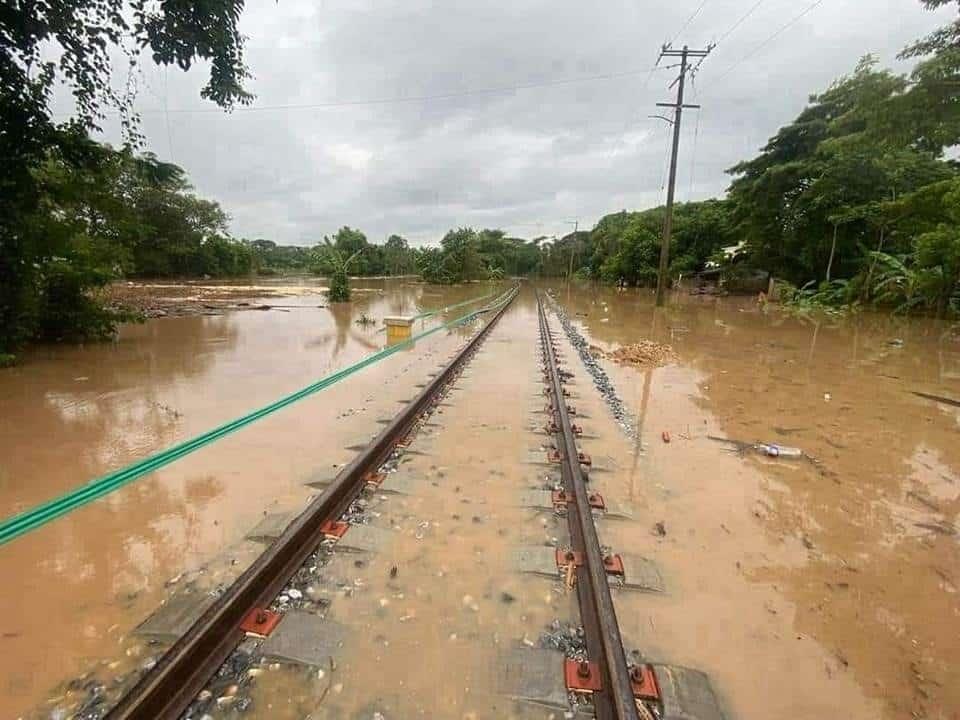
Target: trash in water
<point x="768" y="449"/>
<point x="784" y="451"/>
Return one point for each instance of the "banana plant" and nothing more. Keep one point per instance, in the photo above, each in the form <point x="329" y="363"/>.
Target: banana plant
<point x="339" y="280"/>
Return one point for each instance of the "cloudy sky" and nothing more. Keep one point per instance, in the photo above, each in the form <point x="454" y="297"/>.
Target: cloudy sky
<point x="415" y="116"/>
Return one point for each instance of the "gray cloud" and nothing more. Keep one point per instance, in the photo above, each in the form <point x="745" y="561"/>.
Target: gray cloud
<point x="527" y="160"/>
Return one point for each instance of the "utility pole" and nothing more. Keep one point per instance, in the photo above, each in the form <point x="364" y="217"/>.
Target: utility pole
<point x="678" y="107"/>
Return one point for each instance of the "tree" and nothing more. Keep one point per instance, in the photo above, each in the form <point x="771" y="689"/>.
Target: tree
<point x="430" y="263"/>
<point x="350" y="242"/>
<point x="636" y="256"/>
<point x="338" y="264"/>
<point x="81" y="36"/>
<point x="945" y="38"/>
<point x="397" y="256"/>
<point x="818" y="195"/>
<point x="461" y="255"/>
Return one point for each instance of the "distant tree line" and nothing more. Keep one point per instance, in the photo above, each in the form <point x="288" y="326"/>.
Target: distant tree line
<point x="394" y="257"/>
<point x="856" y="201"/>
<point x="466" y="254"/>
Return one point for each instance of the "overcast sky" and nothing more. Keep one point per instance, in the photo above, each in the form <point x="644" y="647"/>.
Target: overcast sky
<point x="528" y="160"/>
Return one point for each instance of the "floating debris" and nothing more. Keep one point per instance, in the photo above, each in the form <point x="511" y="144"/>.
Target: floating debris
<point x="937" y="398"/>
<point x="645" y="353"/>
<point x="769" y="449"/>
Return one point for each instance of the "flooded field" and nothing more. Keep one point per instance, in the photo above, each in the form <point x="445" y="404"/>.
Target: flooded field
<point x="70" y="414"/>
<point x="805" y="586"/>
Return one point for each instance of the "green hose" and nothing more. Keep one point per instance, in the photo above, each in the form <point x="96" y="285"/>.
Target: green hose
<point x="431" y="313"/>
<point x="48" y="511"/>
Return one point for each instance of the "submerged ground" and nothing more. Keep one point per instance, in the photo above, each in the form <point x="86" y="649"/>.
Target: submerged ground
<point x="825" y="584"/>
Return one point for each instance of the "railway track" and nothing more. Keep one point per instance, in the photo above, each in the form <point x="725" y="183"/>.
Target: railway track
<point x="607" y="674"/>
<point x="166" y="691"/>
<point x="595" y="674"/>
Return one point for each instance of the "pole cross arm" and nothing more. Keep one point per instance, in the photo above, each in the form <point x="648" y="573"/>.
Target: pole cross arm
<point x="675" y="105"/>
<point x="681" y="53"/>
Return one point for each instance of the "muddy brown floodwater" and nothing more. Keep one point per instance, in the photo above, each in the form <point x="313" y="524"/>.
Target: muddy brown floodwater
<point x="811" y="587"/>
<point x="75" y="588"/>
<point x="806" y="587"/>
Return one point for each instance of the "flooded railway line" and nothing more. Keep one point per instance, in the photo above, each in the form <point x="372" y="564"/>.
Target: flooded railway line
<point x="255" y="604"/>
<point x="280" y="612"/>
<point x="456" y="591"/>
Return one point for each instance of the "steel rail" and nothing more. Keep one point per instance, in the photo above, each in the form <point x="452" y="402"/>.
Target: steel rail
<point x="615" y="699"/>
<point x="167" y="690"/>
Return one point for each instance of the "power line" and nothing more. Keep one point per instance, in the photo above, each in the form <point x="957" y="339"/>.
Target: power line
<point x="495" y="90"/>
<point x="689" y="20"/>
<point x="810" y="8"/>
<point x="741" y="21"/>
<point x="666" y="164"/>
<point x="693" y="157"/>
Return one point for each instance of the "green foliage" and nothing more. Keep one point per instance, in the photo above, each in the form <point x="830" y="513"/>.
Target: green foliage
<point x="511" y="256"/>
<point x="635" y="259"/>
<point x="100" y="214"/>
<point x="336" y="264"/>
<point x="395" y="257"/>
<point x="626" y="246"/>
<point x="832" y="298"/>
<point x="339" y="286"/>
<point x="466" y="254"/>
<point x="430" y="265"/>
<point x="47" y="169"/>
<point x="461" y="257"/>
<point x="857" y="184"/>
<point x="941" y="39"/>
<point x="72" y="43"/>
<point x="398" y="258"/>
<point x="272" y="259"/>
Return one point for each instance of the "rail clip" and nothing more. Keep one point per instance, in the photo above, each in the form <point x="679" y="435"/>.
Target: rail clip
<point x="260" y="622"/>
<point x="582" y="676"/>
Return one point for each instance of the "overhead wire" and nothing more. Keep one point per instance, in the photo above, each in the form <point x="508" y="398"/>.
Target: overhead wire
<point x="810" y="8"/>
<point x="696" y="136"/>
<point x="666" y="163"/>
<point x="738" y="23"/>
<point x="689" y="20"/>
<point x="494" y="90"/>
<point x="726" y="34"/>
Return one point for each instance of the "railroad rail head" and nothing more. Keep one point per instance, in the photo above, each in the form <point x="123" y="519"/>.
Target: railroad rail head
<point x="606" y="674"/>
<point x="165" y="691"/>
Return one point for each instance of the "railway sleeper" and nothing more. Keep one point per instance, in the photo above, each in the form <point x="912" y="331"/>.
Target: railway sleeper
<point x="547" y="678"/>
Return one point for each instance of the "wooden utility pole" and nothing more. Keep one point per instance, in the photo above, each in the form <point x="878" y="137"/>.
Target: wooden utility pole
<point x="678" y="107"/>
